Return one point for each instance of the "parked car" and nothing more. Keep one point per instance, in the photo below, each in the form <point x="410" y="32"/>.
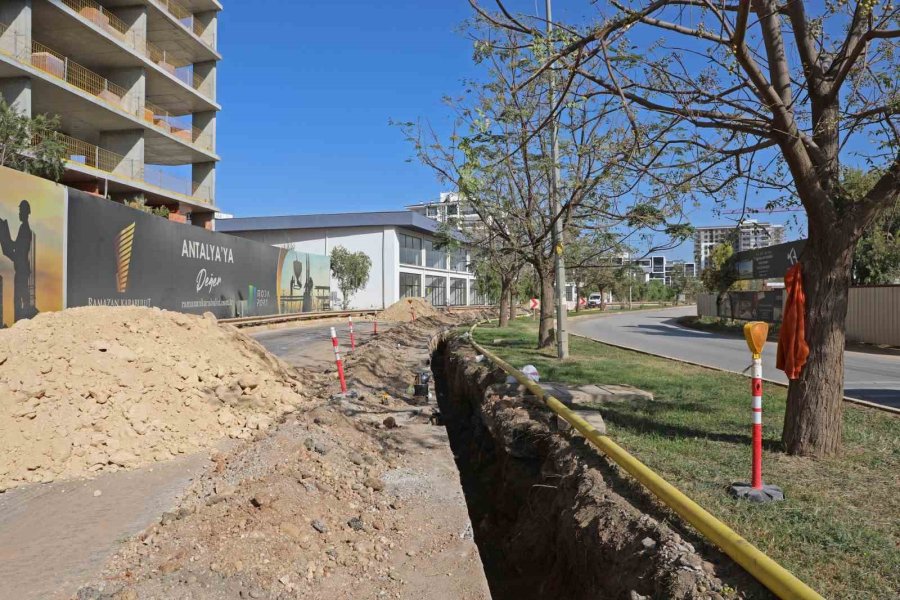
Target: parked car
<point x="595" y="301"/>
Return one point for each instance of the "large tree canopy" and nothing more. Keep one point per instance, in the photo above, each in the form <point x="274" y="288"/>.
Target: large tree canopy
<point x="722" y="97"/>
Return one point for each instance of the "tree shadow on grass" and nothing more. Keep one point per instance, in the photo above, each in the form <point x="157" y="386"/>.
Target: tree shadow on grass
<point x="637" y="423"/>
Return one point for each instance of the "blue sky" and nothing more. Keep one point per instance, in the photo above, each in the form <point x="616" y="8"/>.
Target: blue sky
<point x="307" y="89"/>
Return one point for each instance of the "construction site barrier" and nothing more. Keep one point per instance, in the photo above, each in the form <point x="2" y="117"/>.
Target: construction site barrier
<point x="776" y="578"/>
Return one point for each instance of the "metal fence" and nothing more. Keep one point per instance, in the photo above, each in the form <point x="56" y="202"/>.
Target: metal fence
<point x="873" y="313"/>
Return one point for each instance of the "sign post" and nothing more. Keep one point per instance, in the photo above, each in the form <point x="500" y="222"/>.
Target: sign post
<point x="535" y="305"/>
<point x="755" y="333"/>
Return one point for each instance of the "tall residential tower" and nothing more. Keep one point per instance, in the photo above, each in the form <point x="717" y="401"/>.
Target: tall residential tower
<point x="134" y="85"/>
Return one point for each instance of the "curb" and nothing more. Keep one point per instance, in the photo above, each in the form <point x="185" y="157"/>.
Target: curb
<point x="848" y="399"/>
<point x="776" y="578"/>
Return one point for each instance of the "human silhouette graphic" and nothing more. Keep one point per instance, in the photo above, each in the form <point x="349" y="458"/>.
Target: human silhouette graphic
<point x="19" y="251"/>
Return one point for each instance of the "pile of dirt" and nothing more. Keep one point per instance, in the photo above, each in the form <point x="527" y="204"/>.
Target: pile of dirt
<point x="96" y="389"/>
<point x="402" y="310"/>
<point x="327" y="504"/>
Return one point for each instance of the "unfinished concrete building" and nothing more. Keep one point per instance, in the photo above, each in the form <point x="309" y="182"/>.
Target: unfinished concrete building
<point x="134" y="85"/>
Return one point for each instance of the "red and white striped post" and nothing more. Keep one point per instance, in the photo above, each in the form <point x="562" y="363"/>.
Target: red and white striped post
<point x="375" y="326"/>
<point x="756" y="406"/>
<point x="352" y="337"/>
<point x="338" y="361"/>
<point x="756" y="333"/>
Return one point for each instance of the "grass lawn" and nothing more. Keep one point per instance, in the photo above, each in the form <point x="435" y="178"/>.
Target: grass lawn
<point x="838" y="530"/>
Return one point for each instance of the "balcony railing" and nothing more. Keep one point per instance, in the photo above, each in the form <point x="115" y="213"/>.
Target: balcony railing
<point x="175" y="125"/>
<point x="59" y="66"/>
<point x="99" y="16"/>
<point x="185" y="17"/>
<point x="53" y="63"/>
<point x="90" y="155"/>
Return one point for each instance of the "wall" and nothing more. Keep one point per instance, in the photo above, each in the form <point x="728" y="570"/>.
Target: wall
<point x="60" y="247"/>
<point x="873" y="313"/>
<point x="379" y="243"/>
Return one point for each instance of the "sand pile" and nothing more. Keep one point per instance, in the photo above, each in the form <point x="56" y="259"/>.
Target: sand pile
<point x="402" y="310"/>
<point x="95" y="389"/>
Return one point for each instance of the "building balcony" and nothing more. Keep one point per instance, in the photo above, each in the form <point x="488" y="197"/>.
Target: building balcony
<point x="84" y="158"/>
<point x="175" y="62"/>
<point x="45" y="61"/>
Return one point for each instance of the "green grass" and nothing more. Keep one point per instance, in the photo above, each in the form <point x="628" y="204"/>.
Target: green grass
<point x="838" y="530"/>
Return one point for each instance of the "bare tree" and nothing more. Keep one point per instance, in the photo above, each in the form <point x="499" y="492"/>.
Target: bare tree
<point x="498" y="158"/>
<point x="765" y="93"/>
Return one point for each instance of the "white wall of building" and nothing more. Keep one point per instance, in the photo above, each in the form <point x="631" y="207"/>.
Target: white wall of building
<point x="379" y="243"/>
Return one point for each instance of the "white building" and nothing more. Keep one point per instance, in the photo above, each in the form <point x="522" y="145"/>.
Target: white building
<point x="751" y="234"/>
<point x="449" y="208"/>
<point x="401" y="244"/>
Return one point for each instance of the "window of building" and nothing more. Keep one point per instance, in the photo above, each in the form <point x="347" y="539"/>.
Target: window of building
<point x="436" y="290"/>
<point x="458" y="261"/>
<point x="431" y="211"/>
<point x="434" y="258"/>
<point x="410" y="285"/>
<point x="458" y="292"/>
<point x="410" y="250"/>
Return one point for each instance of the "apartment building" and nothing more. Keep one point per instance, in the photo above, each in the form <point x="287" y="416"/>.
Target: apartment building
<point x="448" y="208"/>
<point x="749" y="235"/>
<point x="134" y="85"/>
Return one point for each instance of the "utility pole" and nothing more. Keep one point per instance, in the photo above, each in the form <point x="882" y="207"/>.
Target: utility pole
<point x="562" y="335"/>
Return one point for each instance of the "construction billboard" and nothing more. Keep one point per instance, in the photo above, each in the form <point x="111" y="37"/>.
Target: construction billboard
<point x="64" y="248"/>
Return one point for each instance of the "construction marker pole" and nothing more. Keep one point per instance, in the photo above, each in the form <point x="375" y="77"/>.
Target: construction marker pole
<point x="338" y="361"/>
<point x="755" y="333"/>
<point x="756" y="387"/>
<point x="375" y="326"/>
<point x="352" y="337"/>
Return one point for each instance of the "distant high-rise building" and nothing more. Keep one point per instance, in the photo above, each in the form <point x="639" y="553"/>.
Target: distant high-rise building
<point x="134" y="86"/>
<point x="749" y="235"/>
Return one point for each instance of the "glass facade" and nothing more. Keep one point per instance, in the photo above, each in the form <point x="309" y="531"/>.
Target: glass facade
<point x="458" y="261"/>
<point x="436" y="290"/>
<point x="458" y="292"/>
<point x="410" y="285"/>
<point x="410" y="249"/>
<point x="434" y="258"/>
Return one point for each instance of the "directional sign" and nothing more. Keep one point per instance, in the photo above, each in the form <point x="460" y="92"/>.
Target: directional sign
<point x="769" y="262"/>
<point x="582" y="301"/>
<point x="535" y="304"/>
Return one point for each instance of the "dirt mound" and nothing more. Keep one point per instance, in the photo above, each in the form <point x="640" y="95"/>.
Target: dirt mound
<point x="333" y="503"/>
<point x="95" y="389"/>
<point x="403" y="309"/>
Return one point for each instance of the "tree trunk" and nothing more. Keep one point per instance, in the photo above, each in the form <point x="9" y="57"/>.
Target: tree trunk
<point x="546" y="329"/>
<point x="813" y="419"/>
<point x="504" y="303"/>
<point x="512" y="301"/>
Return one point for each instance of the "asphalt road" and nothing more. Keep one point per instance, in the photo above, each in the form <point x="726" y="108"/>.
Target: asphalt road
<point x="867" y="375"/>
<point x="309" y="344"/>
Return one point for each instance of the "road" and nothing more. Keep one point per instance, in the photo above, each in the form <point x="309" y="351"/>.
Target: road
<point x="867" y="375"/>
<point x="309" y="344"/>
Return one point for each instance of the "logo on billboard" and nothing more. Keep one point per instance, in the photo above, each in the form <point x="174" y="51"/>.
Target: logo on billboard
<point x="124" y="244"/>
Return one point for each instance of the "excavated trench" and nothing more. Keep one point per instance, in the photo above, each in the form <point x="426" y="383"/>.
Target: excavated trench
<point x="552" y="518"/>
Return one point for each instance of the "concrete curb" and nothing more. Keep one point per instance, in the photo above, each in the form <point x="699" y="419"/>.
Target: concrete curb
<point x="857" y="401"/>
